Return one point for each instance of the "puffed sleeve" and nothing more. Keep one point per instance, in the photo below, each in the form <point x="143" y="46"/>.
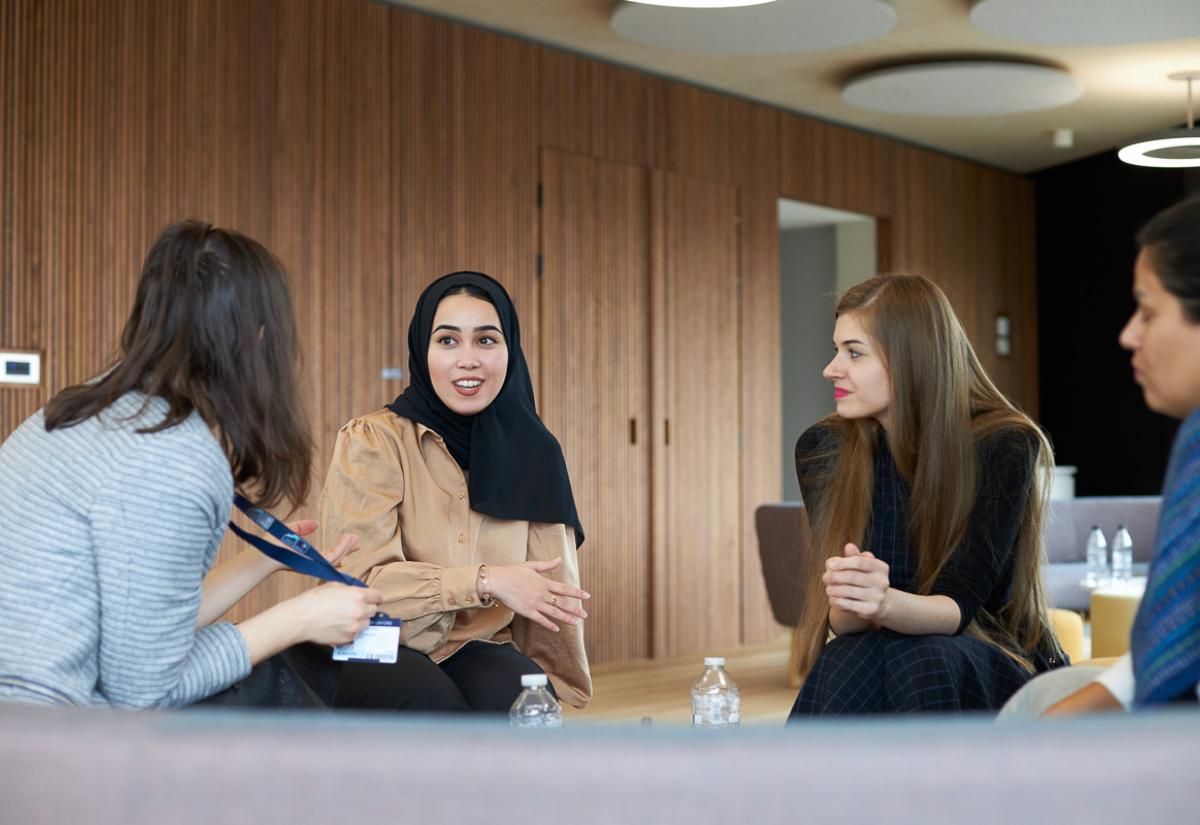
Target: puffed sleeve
<point x="560" y="654"/>
<point x="362" y="495"/>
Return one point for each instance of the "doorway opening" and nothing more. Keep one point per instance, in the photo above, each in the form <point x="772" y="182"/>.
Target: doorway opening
<point x="822" y="253"/>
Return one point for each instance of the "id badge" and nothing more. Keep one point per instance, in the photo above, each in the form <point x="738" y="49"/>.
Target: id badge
<point x="377" y="642"/>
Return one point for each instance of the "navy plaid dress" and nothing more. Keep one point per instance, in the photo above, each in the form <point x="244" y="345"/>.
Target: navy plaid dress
<point x="887" y="672"/>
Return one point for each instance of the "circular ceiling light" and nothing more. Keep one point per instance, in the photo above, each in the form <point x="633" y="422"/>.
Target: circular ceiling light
<point x="1171" y="148"/>
<point x="784" y="26"/>
<point x="703" y="4"/>
<point x="963" y="88"/>
<point x="1087" y="22"/>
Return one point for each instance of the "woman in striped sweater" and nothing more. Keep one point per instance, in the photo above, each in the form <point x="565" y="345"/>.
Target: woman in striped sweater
<point x="115" y="496"/>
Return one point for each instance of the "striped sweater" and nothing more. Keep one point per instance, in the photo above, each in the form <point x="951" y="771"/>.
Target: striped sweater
<point x="1165" y="641"/>
<point x="105" y="538"/>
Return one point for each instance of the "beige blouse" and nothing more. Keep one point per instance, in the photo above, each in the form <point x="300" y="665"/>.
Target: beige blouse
<point x="394" y="483"/>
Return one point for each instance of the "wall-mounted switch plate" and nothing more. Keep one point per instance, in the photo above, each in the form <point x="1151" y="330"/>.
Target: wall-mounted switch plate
<point x="20" y="368"/>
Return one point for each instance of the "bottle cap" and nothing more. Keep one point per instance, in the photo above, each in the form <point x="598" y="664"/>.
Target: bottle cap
<point x="533" y="680"/>
<point x="1120" y="526"/>
<point x="714" y="661"/>
<point x="1095" y="526"/>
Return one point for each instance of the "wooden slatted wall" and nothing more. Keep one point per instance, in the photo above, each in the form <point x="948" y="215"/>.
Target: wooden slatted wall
<point x="596" y="390"/>
<point x="375" y="148"/>
<point x="696" y="325"/>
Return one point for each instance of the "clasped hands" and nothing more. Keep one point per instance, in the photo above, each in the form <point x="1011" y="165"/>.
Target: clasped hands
<point x="522" y="588"/>
<point x="525" y="591"/>
<point x="857" y="582"/>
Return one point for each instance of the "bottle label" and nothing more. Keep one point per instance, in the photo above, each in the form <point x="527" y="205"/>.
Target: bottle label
<point x="715" y="710"/>
<point x="546" y="721"/>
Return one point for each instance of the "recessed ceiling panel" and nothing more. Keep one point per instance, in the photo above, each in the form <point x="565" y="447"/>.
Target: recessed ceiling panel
<point x="1088" y="22"/>
<point x="961" y="88"/>
<point x="783" y="26"/>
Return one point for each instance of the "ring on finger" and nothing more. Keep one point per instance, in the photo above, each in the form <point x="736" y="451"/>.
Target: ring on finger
<point x="553" y="598"/>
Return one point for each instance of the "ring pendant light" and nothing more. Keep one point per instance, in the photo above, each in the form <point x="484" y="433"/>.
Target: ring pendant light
<point x="1171" y="148"/>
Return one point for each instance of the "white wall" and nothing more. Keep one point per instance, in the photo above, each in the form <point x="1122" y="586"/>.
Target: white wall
<point x="807" y="291"/>
<point x="827" y="254"/>
<point x="856" y="252"/>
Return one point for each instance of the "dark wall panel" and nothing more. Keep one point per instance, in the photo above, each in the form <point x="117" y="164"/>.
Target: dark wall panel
<point x="1089" y="213"/>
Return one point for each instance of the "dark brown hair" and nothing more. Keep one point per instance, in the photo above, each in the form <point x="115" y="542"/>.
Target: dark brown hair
<point x="942" y="405"/>
<point x="1172" y="240"/>
<point x="213" y="331"/>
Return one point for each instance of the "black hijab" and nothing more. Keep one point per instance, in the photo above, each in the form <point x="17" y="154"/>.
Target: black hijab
<point x="517" y="470"/>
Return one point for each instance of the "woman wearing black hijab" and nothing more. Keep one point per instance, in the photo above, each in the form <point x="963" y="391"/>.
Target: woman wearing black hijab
<point x="461" y="501"/>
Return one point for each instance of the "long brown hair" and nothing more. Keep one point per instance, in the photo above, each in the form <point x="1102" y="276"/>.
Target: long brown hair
<point x="942" y="405"/>
<point x="213" y="331"/>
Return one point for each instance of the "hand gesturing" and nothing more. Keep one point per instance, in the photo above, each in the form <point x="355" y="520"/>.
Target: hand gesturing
<point x="525" y="591"/>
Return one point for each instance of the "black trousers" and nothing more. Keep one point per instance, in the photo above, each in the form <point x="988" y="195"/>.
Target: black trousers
<point x="481" y="677"/>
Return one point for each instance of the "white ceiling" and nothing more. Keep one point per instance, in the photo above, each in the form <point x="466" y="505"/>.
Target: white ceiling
<point x="1125" y="88"/>
<point x="963" y="88"/>
<point x="1086" y="22"/>
<point x="782" y="26"/>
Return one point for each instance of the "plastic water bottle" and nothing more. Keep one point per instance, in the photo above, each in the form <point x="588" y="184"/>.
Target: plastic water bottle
<point x="1122" y="556"/>
<point x="1097" y="558"/>
<point x="535" y="707"/>
<point x="716" y="702"/>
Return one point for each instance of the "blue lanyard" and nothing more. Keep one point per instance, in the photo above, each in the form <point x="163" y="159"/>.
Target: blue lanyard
<point x="299" y="555"/>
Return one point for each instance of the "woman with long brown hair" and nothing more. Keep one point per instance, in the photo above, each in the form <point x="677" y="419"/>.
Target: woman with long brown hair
<point x="925" y="496"/>
<point x="115" y="496"/>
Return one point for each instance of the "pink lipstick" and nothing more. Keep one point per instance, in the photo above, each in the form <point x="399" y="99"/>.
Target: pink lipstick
<point x="838" y="392"/>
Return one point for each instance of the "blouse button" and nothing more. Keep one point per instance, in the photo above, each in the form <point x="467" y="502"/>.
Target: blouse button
<point x="461" y="538"/>
<point x="461" y="494"/>
<point x="470" y="600"/>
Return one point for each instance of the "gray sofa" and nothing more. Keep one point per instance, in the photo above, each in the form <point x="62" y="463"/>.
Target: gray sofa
<point x="254" y="768"/>
<point x="783" y="543"/>
<point x="1067" y="526"/>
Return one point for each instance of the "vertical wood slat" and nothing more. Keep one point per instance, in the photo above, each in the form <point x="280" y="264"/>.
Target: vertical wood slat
<point x="970" y="229"/>
<point x="595" y="381"/>
<point x="597" y="109"/>
<point x="832" y="166"/>
<point x="495" y="168"/>
<point x="660" y="410"/>
<point x="698" y="591"/>
<point x="423" y="235"/>
<point x="702" y="134"/>
<point x="760" y="352"/>
<point x="1018" y="275"/>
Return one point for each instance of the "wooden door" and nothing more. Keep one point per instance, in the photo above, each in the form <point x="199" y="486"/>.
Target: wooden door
<point x="594" y="388"/>
<point x="697" y="392"/>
